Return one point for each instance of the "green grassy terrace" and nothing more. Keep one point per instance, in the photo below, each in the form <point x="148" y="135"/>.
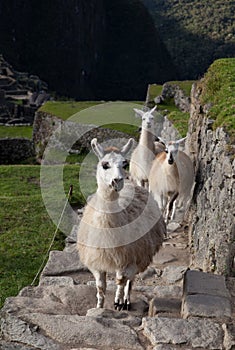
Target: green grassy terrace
<point x="26" y="229"/>
<point x="116" y="115"/>
<point x="178" y="118"/>
<point x="16" y="131"/>
<point x="219" y="89"/>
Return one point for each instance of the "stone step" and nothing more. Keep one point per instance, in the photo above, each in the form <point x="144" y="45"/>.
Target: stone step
<point x="196" y="332"/>
<point x="205" y="295"/>
<point x="165" y="307"/>
<point x="59" y="314"/>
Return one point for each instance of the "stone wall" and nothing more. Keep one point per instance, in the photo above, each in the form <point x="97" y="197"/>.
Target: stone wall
<point x="171" y="90"/>
<point x="15" y="150"/>
<point x="211" y="217"/>
<point x="67" y="136"/>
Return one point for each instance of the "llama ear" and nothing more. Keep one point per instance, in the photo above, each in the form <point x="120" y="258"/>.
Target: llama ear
<point x="139" y="112"/>
<point x="97" y="148"/>
<point x="153" y="109"/>
<point x="181" y="140"/>
<point x="126" y="148"/>
<point x="159" y="139"/>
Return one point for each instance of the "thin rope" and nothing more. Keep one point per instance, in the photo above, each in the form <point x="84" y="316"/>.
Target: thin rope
<point x="54" y="236"/>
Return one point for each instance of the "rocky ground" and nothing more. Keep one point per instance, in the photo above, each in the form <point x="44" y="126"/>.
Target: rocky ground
<point x="173" y="307"/>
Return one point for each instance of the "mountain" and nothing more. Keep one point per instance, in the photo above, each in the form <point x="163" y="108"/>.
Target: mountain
<point x="195" y="32"/>
<point x="96" y="49"/>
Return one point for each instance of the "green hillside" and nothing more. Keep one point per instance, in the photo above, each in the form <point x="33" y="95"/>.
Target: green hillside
<point x="218" y="89"/>
<point x="195" y="32"/>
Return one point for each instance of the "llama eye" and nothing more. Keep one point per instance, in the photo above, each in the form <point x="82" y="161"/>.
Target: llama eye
<point x="125" y="164"/>
<point x="105" y="165"/>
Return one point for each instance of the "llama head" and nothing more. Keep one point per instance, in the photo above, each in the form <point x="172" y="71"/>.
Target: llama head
<point x="172" y="149"/>
<point x="112" y="162"/>
<point x="147" y="118"/>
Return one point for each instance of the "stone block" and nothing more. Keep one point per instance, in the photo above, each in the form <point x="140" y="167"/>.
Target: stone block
<point x="229" y="336"/>
<point x="56" y="281"/>
<point x="164" y="306"/>
<point x="205" y="295"/>
<point x="148" y="273"/>
<point x="197" y="282"/>
<point x="193" y="333"/>
<point x="125" y="318"/>
<point x="14" y="346"/>
<point x="173" y="274"/>
<point x="202" y="305"/>
<point x="61" y="262"/>
<point x="170" y="291"/>
<point x="16" y="330"/>
<point x="55" y="300"/>
<point x="73" y="330"/>
<point x="170" y="347"/>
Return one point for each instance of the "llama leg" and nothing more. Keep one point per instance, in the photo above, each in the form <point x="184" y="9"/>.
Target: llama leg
<point x="167" y="213"/>
<point x="165" y="207"/>
<point x="146" y="184"/>
<point x="127" y="293"/>
<point x="119" y="296"/>
<point x="172" y="205"/>
<point x="100" y="278"/>
<point x="130" y="272"/>
<point x="173" y="210"/>
<point x="158" y="199"/>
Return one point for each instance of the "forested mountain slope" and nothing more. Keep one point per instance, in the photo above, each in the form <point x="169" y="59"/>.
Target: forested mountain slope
<point x="85" y="49"/>
<point x="195" y="32"/>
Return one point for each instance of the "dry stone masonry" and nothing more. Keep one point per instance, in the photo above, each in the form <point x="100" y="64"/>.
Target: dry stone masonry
<point x="15" y="150"/>
<point x="20" y="95"/>
<point x="212" y="227"/>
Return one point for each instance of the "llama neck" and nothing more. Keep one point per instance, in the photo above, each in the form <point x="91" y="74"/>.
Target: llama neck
<point x="172" y="173"/>
<point x="147" y="139"/>
<point x="106" y="200"/>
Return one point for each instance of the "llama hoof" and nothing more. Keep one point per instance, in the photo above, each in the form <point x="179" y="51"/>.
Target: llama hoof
<point x="126" y="306"/>
<point x="118" y="306"/>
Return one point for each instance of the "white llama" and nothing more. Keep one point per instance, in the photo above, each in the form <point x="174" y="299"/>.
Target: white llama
<point x="144" y="153"/>
<point x="121" y="228"/>
<point x="164" y="179"/>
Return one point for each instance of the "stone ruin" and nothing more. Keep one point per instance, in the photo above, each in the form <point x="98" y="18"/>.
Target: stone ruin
<point x="21" y="94"/>
<point x="173" y="91"/>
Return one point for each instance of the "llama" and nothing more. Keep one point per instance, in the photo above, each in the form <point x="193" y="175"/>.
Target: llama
<point x="170" y="177"/>
<point x="187" y="181"/>
<point x="186" y="174"/>
<point x="144" y="153"/>
<point x="121" y="229"/>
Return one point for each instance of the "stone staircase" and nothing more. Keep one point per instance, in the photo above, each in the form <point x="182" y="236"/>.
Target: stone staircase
<point x="173" y="307"/>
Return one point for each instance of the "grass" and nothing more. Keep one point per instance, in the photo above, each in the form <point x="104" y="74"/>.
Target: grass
<point x="26" y="232"/>
<point x="154" y="91"/>
<point x="16" y="131"/>
<point x="185" y="85"/>
<point x="180" y="121"/>
<point x="119" y="115"/>
<point x="26" y="228"/>
<point x="178" y="118"/>
<point x="65" y="109"/>
<point x="116" y="115"/>
<point x="218" y="89"/>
